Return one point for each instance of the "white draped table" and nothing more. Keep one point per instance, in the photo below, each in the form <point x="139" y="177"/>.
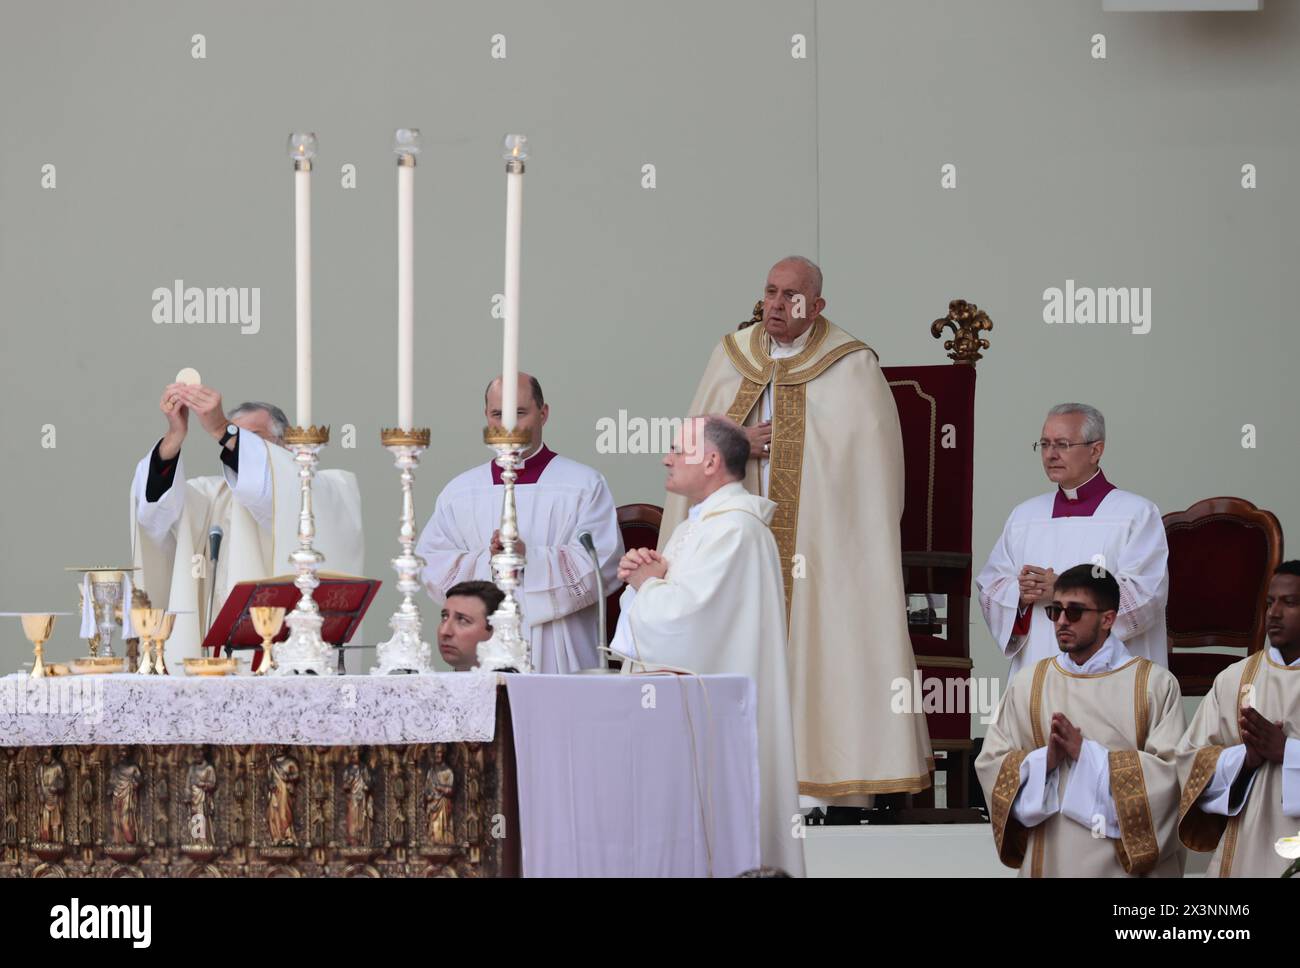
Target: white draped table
<point x="616" y="775"/>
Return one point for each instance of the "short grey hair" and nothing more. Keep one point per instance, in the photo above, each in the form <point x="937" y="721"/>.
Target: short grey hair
<point x="1094" y="424"/>
<point x="729" y="440"/>
<point x="279" y="422"/>
<point x="812" y="268"/>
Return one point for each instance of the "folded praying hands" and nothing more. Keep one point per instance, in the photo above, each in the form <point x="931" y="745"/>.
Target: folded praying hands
<point x="641" y="563"/>
<point x="1066" y="741"/>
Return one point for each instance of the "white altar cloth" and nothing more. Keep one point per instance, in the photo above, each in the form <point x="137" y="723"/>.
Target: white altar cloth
<point x="238" y="710"/>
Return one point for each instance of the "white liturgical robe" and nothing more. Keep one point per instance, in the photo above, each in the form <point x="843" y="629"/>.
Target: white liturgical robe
<point x="257" y="509"/>
<point x="721" y="609"/>
<point x="556" y="500"/>
<point x="1095" y="524"/>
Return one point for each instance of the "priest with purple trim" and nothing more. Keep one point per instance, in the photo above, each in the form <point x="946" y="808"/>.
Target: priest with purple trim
<point x="557" y="499"/>
<point x="1085" y="518"/>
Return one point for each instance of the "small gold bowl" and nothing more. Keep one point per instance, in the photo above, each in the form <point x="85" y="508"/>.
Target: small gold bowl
<point x="97" y="665"/>
<point x="210" y="666"/>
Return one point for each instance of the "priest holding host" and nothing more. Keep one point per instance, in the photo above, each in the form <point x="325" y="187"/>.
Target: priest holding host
<point x="712" y="603"/>
<point x="1239" y="762"/>
<point x="826" y="449"/>
<point x="557" y="500"/>
<point x="195" y="538"/>
<point x="1078" y="766"/>
<point x="1085" y="518"/>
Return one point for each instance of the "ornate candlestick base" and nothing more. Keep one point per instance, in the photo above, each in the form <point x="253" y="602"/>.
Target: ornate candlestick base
<point x="507" y="649"/>
<point x="304" y="651"/>
<point x="405" y="651"/>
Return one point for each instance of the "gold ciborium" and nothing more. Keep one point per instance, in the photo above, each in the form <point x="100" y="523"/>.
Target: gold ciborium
<point x="37" y="626"/>
<point x="267" y="623"/>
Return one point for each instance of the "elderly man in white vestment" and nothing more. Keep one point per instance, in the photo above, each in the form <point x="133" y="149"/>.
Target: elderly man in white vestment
<point x="255" y="503"/>
<point x="827" y="449"/>
<point x="557" y="499"/>
<point x="1085" y="518"/>
<point x="1078" y="767"/>
<point x="711" y="603"/>
<point x="1239" y="762"/>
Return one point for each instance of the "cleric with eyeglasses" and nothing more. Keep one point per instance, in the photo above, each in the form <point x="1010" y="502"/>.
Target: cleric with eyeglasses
<point x="1084" y="519"/>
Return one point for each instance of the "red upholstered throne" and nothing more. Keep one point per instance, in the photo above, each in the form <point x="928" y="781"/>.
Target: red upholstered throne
<point x="936" y="409"/>
<point x="1222" y="552"/>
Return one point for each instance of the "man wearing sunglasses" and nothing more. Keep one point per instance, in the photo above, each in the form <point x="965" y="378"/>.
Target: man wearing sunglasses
<point x="1078" y="767"/>
<point x="1240" y="760"/>
<point x="1084" y="518"/>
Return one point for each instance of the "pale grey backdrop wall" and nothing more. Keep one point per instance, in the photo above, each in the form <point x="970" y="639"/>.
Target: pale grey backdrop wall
<point x="1115" y="172"/>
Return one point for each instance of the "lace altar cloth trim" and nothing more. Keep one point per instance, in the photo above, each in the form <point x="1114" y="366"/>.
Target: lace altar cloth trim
<point x="239" y="710"/>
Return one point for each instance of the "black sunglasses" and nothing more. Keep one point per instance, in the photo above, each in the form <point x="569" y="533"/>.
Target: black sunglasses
<point x="1072" y="612"/>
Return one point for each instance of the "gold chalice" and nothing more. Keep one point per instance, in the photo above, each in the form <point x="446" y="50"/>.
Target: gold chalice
<point x="146" y="622"/>
<point x="37" y="626"/>
<point x="160" y="636"/>
<point x="267" y="623"/>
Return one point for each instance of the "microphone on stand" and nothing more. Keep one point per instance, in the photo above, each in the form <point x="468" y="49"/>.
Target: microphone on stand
<point x="214" y="551"/>
<point x="602" y="647"/>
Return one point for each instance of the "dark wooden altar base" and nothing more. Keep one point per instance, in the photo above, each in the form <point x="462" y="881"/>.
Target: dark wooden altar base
<point x="268" y="811"/>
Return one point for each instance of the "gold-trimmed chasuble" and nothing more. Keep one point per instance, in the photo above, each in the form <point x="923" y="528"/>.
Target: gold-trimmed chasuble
<point x="750" y="352"/>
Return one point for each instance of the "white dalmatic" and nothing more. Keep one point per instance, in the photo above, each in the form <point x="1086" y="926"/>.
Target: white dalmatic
<point x="1124" y="535"/>
<point x="720" y="609"/>
<point x="556" y="499"/>
<point x="257" y="509"/>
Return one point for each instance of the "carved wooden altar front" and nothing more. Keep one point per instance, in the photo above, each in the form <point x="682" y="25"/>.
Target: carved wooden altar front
<point x="419" y="810"/>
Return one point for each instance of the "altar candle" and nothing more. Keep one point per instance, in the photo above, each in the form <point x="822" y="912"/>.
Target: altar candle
<point x="516" y="151"/>
<point x="302" y="148"/>
<point x="406" y="144"/>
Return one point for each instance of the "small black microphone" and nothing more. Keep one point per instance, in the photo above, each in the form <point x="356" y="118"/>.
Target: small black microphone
<point x="602" y="645"/>
<point x="214" y="549"/>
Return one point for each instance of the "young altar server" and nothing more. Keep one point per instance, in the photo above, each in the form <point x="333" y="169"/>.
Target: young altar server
<point x="1239" y="762"/>
<point x="1078" y="767"/>
<point x="466" y="613"/>
<point x="255" y="503"/>
<point x="557" y="499"/>
<point x="1085" y="519"/>
<point x="713" y="602"/>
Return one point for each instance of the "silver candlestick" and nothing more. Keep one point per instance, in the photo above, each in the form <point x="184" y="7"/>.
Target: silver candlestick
<point x="507" y="649"/>
<point x="304" y="651"/>
<point x="405" y="651"/>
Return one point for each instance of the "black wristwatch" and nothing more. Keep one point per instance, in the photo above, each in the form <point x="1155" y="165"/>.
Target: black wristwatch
<point x="231" y="431"/>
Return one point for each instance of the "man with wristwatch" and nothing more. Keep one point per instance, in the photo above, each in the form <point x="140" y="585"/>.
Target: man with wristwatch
<point x="194" y="538"/>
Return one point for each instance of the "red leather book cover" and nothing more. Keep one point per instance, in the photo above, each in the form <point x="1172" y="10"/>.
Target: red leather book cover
<point x="342" y="600"/>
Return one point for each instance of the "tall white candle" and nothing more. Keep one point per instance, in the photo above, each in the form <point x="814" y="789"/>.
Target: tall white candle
<point x="406" y="295"/>
<point x="510" y="352"/>
<point x="516" y="152"/>
<point x="302" y="289"/>
<point x="302" y="148"/>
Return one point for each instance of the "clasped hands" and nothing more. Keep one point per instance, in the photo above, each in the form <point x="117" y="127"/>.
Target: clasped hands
<point x="641" y="563"/>
<point x="1265" y="741"/>
<point x="1066" y="741"/>
<point x="1036" y="585"/>
<point x="495" y="547"/>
